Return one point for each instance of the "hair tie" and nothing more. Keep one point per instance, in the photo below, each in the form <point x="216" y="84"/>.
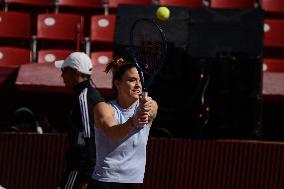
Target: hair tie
<point x="114" y="64"/>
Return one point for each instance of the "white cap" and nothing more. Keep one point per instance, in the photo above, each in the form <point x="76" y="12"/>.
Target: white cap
<point x="78" y="61"/>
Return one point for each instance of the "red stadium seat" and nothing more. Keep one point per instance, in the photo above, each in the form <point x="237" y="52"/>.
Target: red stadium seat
<point x="276" y="6"/>
<point x="58" y="31"/>
<point x="273" y="32"/>
<point x="183" y="3"/>
<point x="86" y="8"/>
<point x="100" y="77"/>
<point x="66" y="27"/>
<point x="101" y="57"/>
<point x="101" y="32"/>
<point x="273" y="65"/>
<point x="14" y="56"/>
<point x="32" y="3"/>
<point x="51" y="55"/>
<point x="14" y="25"/>
<point x="83" y="7"/>
<point x="102" y="28"/>
<point x="15" y="29"/>
<point x="232" y="3"/>
<point x="115" y="3"/>
<point x="80" y="3"/>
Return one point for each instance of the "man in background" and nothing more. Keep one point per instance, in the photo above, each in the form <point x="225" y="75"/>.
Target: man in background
<point x="76" y="73"/>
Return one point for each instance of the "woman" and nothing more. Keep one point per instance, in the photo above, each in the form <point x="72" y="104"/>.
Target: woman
<point x="122" y="130"/>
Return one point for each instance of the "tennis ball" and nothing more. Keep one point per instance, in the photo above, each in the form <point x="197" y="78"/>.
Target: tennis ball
<point x="163" y="13"/>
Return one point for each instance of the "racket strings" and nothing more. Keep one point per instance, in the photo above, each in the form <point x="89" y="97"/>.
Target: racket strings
<point x="149" y="56"/>
<point x="148" y="48"/>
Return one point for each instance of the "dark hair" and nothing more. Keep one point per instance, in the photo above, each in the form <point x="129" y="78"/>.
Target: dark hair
<point x="118" y="67"/>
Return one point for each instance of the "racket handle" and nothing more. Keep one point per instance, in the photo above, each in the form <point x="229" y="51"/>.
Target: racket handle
<point x="144" y="95"/>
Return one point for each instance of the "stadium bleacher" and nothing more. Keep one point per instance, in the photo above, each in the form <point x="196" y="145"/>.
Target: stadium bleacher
<point x="181" y="3"/>
<point x="78" y="4"/>
<point x="59" y="31"/>
<point x="273" y="65"/>
<point x="14" y="56"/>
<point x="273" y="32"/>
<point x="101" y="57"/>
<point x="276" y="6"/>
<point x="25" y="5"/>
<point x="51" y="55"/>
<point x="233" y="4"/>
<point x="102" y="29"/>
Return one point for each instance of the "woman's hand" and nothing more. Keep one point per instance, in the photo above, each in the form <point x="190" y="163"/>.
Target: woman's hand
<point x="147" y="112"/>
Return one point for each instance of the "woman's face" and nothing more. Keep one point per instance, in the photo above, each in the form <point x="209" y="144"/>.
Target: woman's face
<point x="129" y="86"/>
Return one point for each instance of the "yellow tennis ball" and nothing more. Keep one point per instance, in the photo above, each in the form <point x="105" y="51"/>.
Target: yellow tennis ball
<point x="163" y="13"/>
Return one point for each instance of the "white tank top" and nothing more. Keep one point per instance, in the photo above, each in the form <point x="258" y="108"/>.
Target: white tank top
<point x="123" y="161"/>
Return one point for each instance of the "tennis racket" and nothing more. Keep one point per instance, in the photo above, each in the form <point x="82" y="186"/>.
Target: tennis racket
<point x="148" y="48"/>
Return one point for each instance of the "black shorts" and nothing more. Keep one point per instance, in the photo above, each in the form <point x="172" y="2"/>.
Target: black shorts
<point x="94" y="184"/>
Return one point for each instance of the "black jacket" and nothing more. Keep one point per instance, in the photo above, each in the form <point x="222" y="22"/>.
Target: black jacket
<point x="82" y="152"/>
